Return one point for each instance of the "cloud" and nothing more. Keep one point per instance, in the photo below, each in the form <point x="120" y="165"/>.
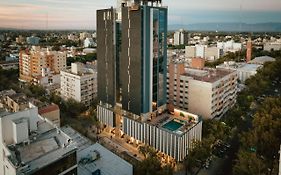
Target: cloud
<point x="81" y="14"/>
<point x="250" y="5"/>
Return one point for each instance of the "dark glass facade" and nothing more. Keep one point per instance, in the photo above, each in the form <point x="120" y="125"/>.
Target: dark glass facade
<point x="137" y="60"/>
<point x="106" y="56"/>
<point x="144" y="55"/>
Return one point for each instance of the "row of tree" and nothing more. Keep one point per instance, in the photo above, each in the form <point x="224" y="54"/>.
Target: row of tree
<point x="260" y="138"/>
<point x="260" y="145"/>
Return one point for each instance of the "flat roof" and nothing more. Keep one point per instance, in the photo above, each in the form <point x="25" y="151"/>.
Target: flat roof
<point x="44" y="148"/>
<point x="262" y="59"/>
<point x="249" y="67"/>
<point x="207" y="74"/>
<point x="3" y="112"/>
<point x="79" y="140"/>
<point x="98" y="158"/>
<point x="48" y="108"/>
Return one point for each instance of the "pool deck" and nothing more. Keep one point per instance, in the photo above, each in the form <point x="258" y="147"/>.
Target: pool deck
<point x="165" y="118"/>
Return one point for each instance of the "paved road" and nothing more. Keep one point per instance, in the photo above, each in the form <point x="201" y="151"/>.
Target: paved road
<point x="214" y="169"/>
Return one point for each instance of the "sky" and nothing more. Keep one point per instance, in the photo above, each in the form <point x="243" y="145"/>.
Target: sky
<point x="81" y="14"/>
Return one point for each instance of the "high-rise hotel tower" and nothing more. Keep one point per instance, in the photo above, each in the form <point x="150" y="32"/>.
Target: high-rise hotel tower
<point x="132" y="69"/>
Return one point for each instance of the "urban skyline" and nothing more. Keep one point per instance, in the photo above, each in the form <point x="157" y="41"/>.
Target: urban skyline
<point x="62" y="14"/>
<point x="112" y="87"/>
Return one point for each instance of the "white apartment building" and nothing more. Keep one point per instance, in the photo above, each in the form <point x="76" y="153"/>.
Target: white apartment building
<point x="272" y="46"/>
<point x="203" y="51"/>
<point x="89" y="42"/>
<point x="229" y="46"/>
<point x="48" y="79"/>
<point x="30" y="144"/>
<point x="79" y="83"/>
<point x="209" y="92"/>
<point x="244" y="70"/>
<point x="180" y="37"/>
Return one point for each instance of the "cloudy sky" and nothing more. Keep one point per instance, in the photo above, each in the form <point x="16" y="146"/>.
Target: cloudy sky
<point x="80" y="14"/>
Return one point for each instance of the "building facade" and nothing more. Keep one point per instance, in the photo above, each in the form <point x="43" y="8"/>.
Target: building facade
<point x="79" y="83"/>
<point x="203" y="51"/>
<point x="34" y="62"/>
<point x="132" y="74"/>
<point x="180" y="37"/>
<point x="206" y="92"/>
<point x="229" y="46"/>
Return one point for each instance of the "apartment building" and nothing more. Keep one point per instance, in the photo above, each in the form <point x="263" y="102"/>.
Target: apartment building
<point x="180" y="37"/>
<point x="229" y="46"/>
<point x="207" y="92"/>
<point x="34" y="63"/>
<point x="203" y="51"/>
<point x="79" y="83"/>
<point x="31" y="145"/>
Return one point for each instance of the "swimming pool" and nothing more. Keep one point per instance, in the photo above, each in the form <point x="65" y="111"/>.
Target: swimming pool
<point x="173" y="125"/>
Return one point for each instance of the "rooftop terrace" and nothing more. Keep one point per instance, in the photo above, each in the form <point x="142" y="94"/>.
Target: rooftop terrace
<point x="178" y="122"/>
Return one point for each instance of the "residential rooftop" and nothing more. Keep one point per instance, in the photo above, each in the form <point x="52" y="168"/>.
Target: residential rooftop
<point x="97" y="159"/>
<point x="250" y="67"/>
<point x="44" y="146"/>
<point x="262" y="59"/>
<point x="242" y="66"/>
<point x="19" y="98"/>
<point x="178" y="124"/>
<point x="80" y="141"/>
<point x="207" y="74"/>
<point x="48" y="108"/>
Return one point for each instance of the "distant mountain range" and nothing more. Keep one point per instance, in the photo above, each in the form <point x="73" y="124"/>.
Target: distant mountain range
<point x="230" y="27"/>
<point x="220" y="27"/>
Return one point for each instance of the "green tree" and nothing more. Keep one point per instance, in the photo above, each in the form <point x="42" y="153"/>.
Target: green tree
<point x="260" y="145"/>
<point x="151" y="165"/>
<point x="248" y="164"/>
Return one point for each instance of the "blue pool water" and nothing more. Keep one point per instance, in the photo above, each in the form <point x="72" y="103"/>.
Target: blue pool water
<point x="172" y="125"/>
